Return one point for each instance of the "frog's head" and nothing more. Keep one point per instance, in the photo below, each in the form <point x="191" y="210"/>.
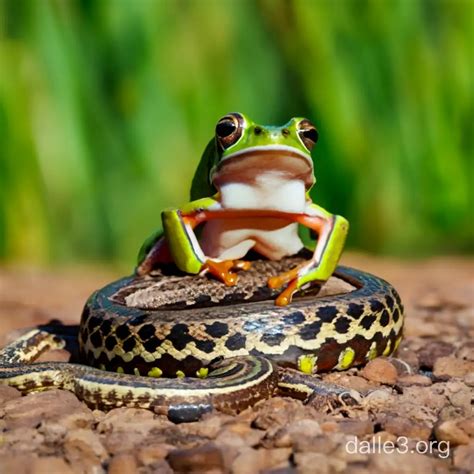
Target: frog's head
<point x="246" y="151"/>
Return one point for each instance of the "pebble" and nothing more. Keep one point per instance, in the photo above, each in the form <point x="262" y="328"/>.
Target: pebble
<point x="131" y="420"/>
<point x="208" y="427"/>
<point x="432" y="351"/>
<point x="299" y="434"/>
<point x="85" y="448"/>
<point x="401" y="426"/>
<point x="8" y="393"/>
<point x="151" y="453"/>
<point x="123" y="463"/>
<point x="278" y="412"/>
<point x="469" y="379"/>
<point x="354" y="382"/>
<point x="50" y="465"/>
<point x="451" y="432"/>
<point x="235" y="436"/>
<point x="464" y="457"/>
<point x="451" y="366"/>
<point x="17" y="464"/>
<point x="409" y="356"/>
<point x="380" y="370"/>
<point x="200" y="459"/>
<point x="35" y="408"/>
<point x="356" y="427"/>
<point x="253" y="461"/>
<point x="415" y="379"/>
<point x="467" y="426"/>
<point x="466" y="351"/>
<point x="307" y="462"/>
<point x="22" y="439"/>
<point x="400" y="463"/>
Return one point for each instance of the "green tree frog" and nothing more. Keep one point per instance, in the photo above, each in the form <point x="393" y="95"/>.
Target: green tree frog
<point x="250" y="191"/>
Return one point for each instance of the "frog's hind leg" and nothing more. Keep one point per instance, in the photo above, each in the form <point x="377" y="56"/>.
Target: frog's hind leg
<point x="151" y="256"/>
<point x="332" y="231"/>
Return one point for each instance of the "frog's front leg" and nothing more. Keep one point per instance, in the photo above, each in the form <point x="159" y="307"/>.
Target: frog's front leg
<point x="332" y="231"/>
<point x="183" y="245"/>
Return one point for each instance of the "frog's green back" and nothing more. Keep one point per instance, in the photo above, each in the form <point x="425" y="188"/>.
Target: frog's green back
<point x="201" y="186"/>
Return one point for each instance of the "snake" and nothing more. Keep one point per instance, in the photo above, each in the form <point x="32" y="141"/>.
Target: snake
<point x="196" y="348"/>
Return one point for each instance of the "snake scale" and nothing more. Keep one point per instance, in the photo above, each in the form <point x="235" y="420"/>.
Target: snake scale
<point x="224" y="349"/>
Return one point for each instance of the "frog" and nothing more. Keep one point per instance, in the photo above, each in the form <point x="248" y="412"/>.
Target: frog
<point x="251" y="192"/>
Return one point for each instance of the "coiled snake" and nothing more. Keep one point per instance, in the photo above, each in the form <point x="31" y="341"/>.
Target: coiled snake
<point x="239" y="338"/>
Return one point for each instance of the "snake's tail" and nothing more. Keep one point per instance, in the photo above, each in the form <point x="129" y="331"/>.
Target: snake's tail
<point x="314" y="391"/>
<point x="28" y="347"/>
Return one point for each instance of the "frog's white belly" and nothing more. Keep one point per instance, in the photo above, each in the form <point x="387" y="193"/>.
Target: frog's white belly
<point x="274" y="238"/>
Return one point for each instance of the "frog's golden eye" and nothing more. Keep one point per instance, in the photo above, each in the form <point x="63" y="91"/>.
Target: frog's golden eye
<point x="308" y="134"/>
<point x="229" y="130"/>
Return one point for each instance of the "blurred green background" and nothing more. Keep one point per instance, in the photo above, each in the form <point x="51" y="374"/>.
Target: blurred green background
<point x="106" y="106"/>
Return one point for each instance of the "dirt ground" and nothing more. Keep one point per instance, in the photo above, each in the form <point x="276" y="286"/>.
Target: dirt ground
<point x="414" y="412"/>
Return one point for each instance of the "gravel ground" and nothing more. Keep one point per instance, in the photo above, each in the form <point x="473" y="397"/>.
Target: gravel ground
<point x="415" y="411"/>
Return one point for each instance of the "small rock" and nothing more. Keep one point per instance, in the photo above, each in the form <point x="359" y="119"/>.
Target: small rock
<point x="8" y="393"/>
<point x="123" y="463"/>
<point x="380" y="370"/>
<point x="402" y="367"/>
<point x="208" y="427"/>
<point x="299" y="434"/>
<point x="309" y="463"/>
<point x="451" y="366"/>
<point x="466" y="351"/>
<point x="415" y="379"/>
<point x="354" y="382"/>
<point x="400" y="463"/>
<point x="252" y="461"/>
<point x="50" y="465"/>
<point x="462" y="399"/>
<point x="464" y="457"/>
<point x="383" y="437"/>
<point x="469" y="379"/>
<point x="329" y="427"/>
<point x="84" y="447"/>
<point x="406" y="427"/>
<point x="153" y="452"/>
<point x="53" y="432"/>
<point x="467" y="426"/>
<point x="200" y="459"/>
<point x="409" y="356"/>
<point x="31" y="410"/>
<point x="356" y="427"/>
<point x="450" y="431"/>
<point x="23" y="439"/>
<point x="131" y="419"/>
<point x="18" y="464"/>
<point x="277" y="412"/>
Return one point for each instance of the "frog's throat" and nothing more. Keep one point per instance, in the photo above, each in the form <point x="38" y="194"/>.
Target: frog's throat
<point x="249" y="164"/>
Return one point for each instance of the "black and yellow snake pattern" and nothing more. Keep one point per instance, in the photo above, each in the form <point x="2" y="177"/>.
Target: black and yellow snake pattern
<point x="222" y="347"/>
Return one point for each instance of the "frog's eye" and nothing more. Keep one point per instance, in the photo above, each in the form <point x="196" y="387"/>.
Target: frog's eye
<point x="229" y="129"/>
<point x="308" y="134"/>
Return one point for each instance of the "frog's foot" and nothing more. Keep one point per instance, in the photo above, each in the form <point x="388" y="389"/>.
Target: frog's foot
<point x="290" y="278"/>
<point x="222" y="269"/>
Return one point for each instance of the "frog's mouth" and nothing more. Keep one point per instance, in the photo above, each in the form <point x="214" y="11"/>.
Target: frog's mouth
<point x="249" y="165"/>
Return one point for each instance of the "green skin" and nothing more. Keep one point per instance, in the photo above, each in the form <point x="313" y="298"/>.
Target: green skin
<point x="245" y="158"/>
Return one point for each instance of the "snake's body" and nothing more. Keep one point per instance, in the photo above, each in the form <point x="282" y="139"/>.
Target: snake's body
<point x="246" y="339"/>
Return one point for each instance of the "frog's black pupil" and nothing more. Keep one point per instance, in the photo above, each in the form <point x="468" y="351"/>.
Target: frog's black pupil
<point x="311" y="134"/>
<point x="225" y="128"/>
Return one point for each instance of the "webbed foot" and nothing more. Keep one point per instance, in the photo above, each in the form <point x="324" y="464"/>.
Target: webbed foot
<point x="294" y="279"/>
<point x="222" y="269"/>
